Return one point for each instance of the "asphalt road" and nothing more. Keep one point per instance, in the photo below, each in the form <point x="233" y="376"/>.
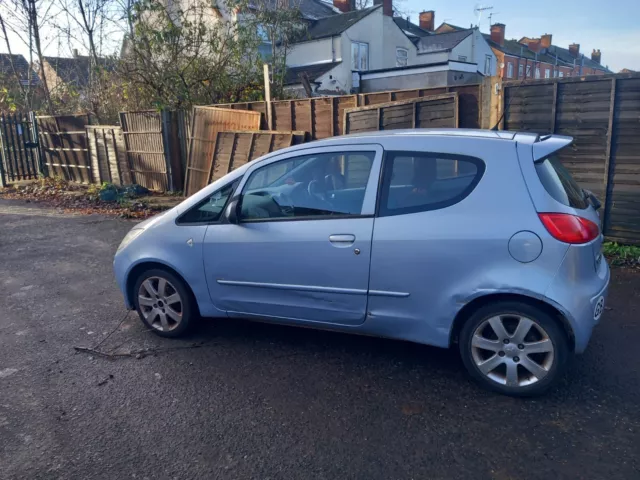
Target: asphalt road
<point x="270" y="402"/>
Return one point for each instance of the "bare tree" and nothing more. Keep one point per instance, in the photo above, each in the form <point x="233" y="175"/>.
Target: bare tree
<point x="179" y="57"/>
<point x="24" y="92"/>
<point x="25" y="19"/>
<point x="278" y="24"/>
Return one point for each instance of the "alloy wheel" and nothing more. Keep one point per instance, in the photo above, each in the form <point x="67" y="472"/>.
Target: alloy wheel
<point x="160" y="304"/>
<point x="512" y="350"/>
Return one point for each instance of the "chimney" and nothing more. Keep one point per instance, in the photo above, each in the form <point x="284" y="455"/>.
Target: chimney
<point x="535" y="45"/>
<point x="596" y="56"/>
<point x="545" y="40"/>
<point x="427" y="20"/>
<point x="497" y="33"/>
<point x="75" y="52"/>
<point x="344" y="5"/>
<point x="387" y="6"/>
<point x="574" y="49"/>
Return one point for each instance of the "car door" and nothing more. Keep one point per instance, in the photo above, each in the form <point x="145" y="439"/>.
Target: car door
<point x="421" y="244"/>
<point x="301" y="245"/>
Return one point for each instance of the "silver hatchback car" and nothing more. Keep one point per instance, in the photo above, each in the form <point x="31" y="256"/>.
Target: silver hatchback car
<point x="478" y="239"/>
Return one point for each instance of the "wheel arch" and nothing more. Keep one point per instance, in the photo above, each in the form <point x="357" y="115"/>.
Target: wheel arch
<point x="144" y="266"/>
<point x="467" y="310"/>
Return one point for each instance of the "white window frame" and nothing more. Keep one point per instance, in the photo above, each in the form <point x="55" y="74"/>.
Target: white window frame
<point x="528" y="74"/>
<point x="561" y="74"/>
<point x="487" y="64"/>
<point x="547" y="73"/>
<point x="402" y="57"/>
<point x="537" y="72"/>
<point x="520" y="71"/>
<point x="509" y="70"/>
<point x="359" y="52"/>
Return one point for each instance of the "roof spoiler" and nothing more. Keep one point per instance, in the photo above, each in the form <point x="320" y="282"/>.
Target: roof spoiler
<point x="548" y="144"/>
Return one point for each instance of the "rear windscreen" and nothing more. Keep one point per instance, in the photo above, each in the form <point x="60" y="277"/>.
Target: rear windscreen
<point x="560" y="184"/>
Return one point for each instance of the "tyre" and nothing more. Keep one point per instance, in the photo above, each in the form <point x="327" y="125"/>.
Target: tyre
<point x="164" y="303"/>
<point x="514" y="348"/>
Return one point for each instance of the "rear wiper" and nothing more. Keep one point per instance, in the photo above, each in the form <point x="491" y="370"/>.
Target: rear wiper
<point x="593" y="200"/>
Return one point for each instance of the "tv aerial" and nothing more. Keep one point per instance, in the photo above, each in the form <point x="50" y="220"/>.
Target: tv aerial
<point x="478" y="10"/>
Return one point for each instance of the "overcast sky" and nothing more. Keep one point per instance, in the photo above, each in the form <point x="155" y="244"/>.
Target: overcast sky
<point x="612" y="26"/>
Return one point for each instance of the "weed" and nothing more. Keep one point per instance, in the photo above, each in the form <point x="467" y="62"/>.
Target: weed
<point x="628" y="255"/>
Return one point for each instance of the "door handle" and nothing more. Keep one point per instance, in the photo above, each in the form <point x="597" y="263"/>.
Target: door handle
<point x="343" y="240"/>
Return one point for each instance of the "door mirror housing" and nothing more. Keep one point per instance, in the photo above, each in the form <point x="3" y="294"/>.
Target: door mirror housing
<point x="232" y="211"/>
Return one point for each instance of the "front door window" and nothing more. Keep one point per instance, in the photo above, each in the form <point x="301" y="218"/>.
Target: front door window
<point x="322" y="185"/>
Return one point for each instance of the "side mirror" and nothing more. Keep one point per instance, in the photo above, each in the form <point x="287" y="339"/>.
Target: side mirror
<point x="232" y="211"/>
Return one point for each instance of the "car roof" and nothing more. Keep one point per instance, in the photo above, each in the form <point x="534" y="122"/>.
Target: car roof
<point x="433" y="132"/>
<point x="490" y="135"/>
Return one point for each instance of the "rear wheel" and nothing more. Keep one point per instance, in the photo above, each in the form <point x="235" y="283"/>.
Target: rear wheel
<point x="164" y="303"/>
<point x="514" y="348"/>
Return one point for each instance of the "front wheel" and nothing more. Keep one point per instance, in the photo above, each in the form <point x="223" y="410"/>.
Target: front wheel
<point x="164" y="303"/>
<point x="514" y="348"/>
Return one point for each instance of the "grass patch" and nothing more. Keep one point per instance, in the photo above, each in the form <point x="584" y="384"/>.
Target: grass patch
<point x="623" y="255"/>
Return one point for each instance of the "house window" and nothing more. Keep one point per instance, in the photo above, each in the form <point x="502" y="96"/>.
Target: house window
<point x="547" y="73"/>
<point x="561" y="74"/>
<point x="263" y="34"/>
<point x="520" y="71"/>
<point x="528" y="71"/>
<point x="509" y="70"/>
<point x="462" y="58"/>
<point x="487" y="65"/>
<point x="360" y="56"/>
<point x="537" y="72"/>
<point x="401" y="57"/>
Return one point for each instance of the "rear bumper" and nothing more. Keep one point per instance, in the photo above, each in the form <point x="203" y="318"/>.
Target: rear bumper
<point x="582" y="298"/>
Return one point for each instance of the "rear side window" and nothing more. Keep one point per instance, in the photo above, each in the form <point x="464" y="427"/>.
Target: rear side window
<point x="559" y="183"/>
<point x="418" y="181"/>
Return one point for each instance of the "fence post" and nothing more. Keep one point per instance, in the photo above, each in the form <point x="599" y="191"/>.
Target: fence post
<point x="2" y="154"/>
<point x="42" y="169"/>
<point x="554" y="108"/>
<point x="609" y="162"/>
<point x="165" y="117"/>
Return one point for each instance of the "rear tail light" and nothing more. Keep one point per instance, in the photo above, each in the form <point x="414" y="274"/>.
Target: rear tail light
<point x="569" y="228"/>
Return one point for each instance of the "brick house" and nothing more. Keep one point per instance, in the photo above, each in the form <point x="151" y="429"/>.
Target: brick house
<point x="539" y="58"/>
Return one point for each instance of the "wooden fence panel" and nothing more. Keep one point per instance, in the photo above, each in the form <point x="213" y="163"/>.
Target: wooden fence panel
<point x="235" y="148"/>
<point x="260" y="107"/>
<point x="19" y="155"/>
<point x="469" y="100"/>
<point x="108" y="154"/>
<point x="624" y="186"/>
<point x="425" y="112"/>
<point x="206" y="123"/>
<point x="320" y="116"/>
<point x="602" y="114"/>
<point x="63" y="142"/>
<point x="143" y="134"/>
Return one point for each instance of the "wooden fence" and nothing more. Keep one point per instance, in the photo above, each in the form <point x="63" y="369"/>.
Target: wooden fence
<point x="426" y="112"/>
<point x="469" y="101"/>
<point x="323" y="116"/>
<point x="320" y="116"/>
<point x="206" y="122"/>
<point x="602" y="114"/>
<point x="234" y="149"/>
<point x="19" y="155"/>
<point x="108" y="155"/>
<point x="63" y="143"/>
<point x="146" y="149"/>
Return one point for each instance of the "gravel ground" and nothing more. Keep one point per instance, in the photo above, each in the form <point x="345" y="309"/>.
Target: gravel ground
<point x="247" y="400"/>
